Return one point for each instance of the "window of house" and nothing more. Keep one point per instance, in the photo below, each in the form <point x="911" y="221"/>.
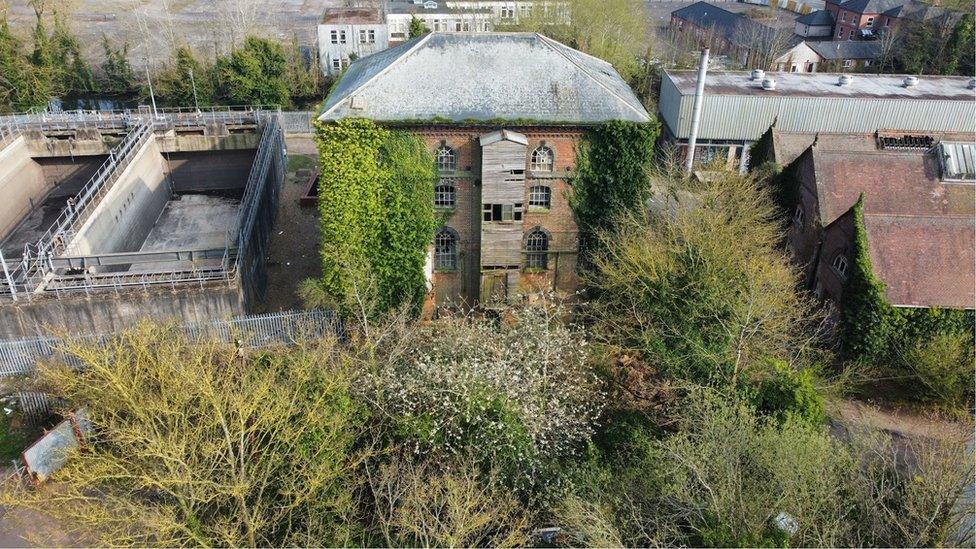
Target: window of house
<point x="445" y="195"/>
<point x="465" y="26"/>
<point x="540" y="196"/>
<point x="335" y="36"/>
<point x="446" y="159"/>
<point x="525" y="10"/>
<point x="848" y="63"/>
<point x="342" y="37"/>
<point x="839" y="265"/>
<point x="508" y="12"/>
<point x="367" y="36"/>
<point x="870" y="22"/>
<point x="446" y="249"/>
<point x="840" y="34"/>
<point x="798" y="216"/>
<point x="336" y="64"/>
<point x="850" y="35"/>
<point x="887" y="22"/>
<point x="843" y="17"/>
<point x="536" y="248"/>
<point x="502" y="212"/>
<point x="542" y="159"/>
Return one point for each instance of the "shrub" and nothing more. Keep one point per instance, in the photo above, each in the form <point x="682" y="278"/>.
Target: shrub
<point x="702" y="293"/>
<point x="198" y="445"/>
<point x="518" y="397"/>
<point x="944" y="367"/>
<point x="787" y="393"/>
<point x="426" y="503"/>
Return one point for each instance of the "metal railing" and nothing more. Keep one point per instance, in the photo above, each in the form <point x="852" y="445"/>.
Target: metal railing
<point x="36" y="272"/>
<point x="21" y="357"/>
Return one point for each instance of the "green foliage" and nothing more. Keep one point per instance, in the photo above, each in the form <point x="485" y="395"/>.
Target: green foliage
<point x="175" y="83"/>
<point x="762" y="150"/>
<point x="417" y="27"/>
<point x="12" y="441"/>
<point x="930" y="48"/>
<point x="76" y="75"/>
<point x="786" y="394"/>
<point x="376" y="202"/>
<point x="304" y="76"/>
<point x="516" y="399"/>
<point x="255" y="74"/>
<point x="119" y="78"/>
<point x="20" y="89"/>
<point x="876" y="332"/>
<point x="944" y="366"/>
<point x="702" y="293"/>
<point x="611" y="178"/>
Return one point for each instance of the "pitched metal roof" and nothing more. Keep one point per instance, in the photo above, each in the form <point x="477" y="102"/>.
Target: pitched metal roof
<point x="846" y="49"/>
<point x="819" y="18"/>
<point x="483" y="76"/>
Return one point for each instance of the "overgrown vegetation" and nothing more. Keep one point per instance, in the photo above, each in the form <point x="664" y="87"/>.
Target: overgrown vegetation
<point x="50" y="65"/>
<point x="931" y="47"/>
<point x="926" y="343"/>
<point x="376" y="193"/>
<point x="611" y="178"/>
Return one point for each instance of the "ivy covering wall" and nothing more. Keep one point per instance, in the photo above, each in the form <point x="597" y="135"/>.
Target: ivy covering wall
<point x="376" y="194"/>
<point x="875" y="331"/>
<point x="611" y="177"/>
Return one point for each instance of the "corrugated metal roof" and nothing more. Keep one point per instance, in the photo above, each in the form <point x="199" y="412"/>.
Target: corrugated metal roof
<point x="958" y="161"/>
<point x="484" y="76"/>
<point x="736" y="108"/>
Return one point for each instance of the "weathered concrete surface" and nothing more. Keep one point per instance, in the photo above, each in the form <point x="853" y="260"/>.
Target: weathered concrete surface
<point x="124" y="217"/>
<point x="82" y="142"/>
<point x="107" y="311"/>
<point x="191" y="222"/>
<point x="210" y="171"/>
<point x="22" y="185"/>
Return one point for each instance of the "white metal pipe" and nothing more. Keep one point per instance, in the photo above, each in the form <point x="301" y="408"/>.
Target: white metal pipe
<point x="696" y="110"/>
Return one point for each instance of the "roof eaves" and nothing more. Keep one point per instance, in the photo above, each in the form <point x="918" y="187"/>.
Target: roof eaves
<point x="385" y="69"/>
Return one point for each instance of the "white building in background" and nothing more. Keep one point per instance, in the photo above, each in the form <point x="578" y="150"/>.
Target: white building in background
<point x="345" y="34"/>
<point x="351" y="32"/>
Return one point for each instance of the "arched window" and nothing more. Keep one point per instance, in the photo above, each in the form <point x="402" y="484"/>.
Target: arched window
<point x="446" y="249"/>
<point x="542" y="159"/>
<point x="840" y="265"/>
<point x="537" y="244"/>
<point x="445" y="195"/>
<point x="446" y="159"/>
<point x="540" y="196"/>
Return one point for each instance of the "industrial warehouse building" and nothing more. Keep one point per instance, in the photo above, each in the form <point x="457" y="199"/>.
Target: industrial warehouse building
<point x="738" y="107"/>
<point x="107" y="218"/>
<point x="503" y="115"/>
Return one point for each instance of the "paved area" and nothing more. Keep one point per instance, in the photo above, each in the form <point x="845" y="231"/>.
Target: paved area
<point x="152" y="27"/>
<point x="190" y="222"/>
<point x="30" y="229"/>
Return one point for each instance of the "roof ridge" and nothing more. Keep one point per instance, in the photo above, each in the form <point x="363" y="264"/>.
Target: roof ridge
<point x="549" y="42"/>
<point x="379" y="73"/>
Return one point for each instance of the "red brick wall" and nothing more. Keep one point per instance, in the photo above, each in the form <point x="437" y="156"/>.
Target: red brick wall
<point x="463" y="285"/>
<point x="838" y="239"/>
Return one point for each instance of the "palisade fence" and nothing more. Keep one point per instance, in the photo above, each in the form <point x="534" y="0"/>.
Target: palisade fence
<point x="21" y="357"/>
<point x="297" y="121"/>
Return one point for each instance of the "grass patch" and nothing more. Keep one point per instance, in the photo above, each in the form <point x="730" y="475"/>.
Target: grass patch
<point x="13" y="439"/>
<point x="300" y="162"/>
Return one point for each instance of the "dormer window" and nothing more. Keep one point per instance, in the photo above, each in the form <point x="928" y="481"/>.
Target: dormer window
<point x="446" y="159"/>
<point x="839" y="264"/>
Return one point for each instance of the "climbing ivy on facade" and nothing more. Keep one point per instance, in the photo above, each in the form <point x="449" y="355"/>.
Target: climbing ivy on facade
<point x="376" y="193"/>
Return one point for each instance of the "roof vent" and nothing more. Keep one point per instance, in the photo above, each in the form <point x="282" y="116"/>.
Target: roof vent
<point x="911" y="81"/>
<point x="845" y="80"/>
<point x="972" y="84"/>
<point x="357" y="102"/>
<point x="758" y="74"/>
<point x="769" y="83"/>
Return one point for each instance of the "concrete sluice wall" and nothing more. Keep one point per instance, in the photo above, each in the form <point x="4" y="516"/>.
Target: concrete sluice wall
<point x="169" y="197"/>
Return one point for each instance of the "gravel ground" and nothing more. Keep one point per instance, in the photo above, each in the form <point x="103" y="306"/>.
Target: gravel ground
<point x="294" y="249"/>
